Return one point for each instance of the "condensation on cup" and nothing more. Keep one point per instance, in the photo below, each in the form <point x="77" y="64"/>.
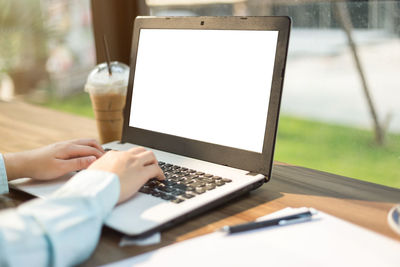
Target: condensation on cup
<point x="108" y="93"/>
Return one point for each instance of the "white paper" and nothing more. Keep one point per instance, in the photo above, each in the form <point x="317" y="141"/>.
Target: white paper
<point x="323" y="241"/>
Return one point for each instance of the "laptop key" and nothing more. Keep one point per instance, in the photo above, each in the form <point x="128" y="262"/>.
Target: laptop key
<point x="200" y="190"/>
<point x="169" y="189"/>
<point x="198" y="184"/>
<point x="170" y="182"/>
<point x="160" y="186"/>
<point x="180" y="186"/>
<point x="210" y="186"/>
<point x="145" y="190"/>
<point x="219" y="182"/>
<point x="177" y="200"/>
<point x="177" y="192"/>
<point x="151" y="183"/>
<point x="226" y="180"/>
<point x="165" y="196"/>
<point x="188" y="181"/>
<point x="183" y="178"/>
<point x="190" y="188"/>
<point x="188" y="196"/>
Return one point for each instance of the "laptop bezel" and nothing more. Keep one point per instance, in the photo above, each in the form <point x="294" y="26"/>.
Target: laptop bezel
<point x="227" y="156"/>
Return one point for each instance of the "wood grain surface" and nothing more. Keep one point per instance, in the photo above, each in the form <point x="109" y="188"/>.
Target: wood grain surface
<point x="23" y="126"/>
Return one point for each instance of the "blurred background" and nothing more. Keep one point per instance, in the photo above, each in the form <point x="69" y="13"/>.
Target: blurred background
<point x="340" y="108"/>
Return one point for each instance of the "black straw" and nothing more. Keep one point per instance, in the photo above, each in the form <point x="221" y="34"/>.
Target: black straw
<point x="107" y="55"/>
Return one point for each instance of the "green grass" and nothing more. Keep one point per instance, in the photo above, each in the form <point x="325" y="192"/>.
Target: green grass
<point x="78" y="104"/>
<point x="337" y="149"/>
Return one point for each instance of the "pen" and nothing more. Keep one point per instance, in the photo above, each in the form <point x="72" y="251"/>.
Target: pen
<point x="294" y="218"/>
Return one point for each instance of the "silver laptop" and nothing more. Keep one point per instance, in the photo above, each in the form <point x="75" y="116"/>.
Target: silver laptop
<point x="204" y="95"/>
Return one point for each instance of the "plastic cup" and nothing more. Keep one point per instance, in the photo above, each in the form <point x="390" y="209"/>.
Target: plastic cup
<point x="108" y="93"/>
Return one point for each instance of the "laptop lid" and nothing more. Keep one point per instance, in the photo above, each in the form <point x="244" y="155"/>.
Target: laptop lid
<point x="208" y="87"/>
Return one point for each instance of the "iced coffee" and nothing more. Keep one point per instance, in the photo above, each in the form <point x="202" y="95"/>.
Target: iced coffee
<point x="108" y="93"/>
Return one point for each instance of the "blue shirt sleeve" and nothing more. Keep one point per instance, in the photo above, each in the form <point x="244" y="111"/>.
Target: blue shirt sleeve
<point x="62" y="230"/>
<point x="3" y="177"/>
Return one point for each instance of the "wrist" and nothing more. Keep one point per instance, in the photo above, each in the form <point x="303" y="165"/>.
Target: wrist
<point x="100" y="185"/>
<point x="15" y="164"/>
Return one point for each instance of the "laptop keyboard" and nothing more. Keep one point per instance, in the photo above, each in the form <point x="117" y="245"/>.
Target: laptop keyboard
<point x="181" y="183"/>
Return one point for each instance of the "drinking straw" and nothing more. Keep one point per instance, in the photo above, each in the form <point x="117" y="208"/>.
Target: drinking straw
<point x="107" y="55"/>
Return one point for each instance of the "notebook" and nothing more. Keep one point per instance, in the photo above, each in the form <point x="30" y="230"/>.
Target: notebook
<point x="204" y="95"/>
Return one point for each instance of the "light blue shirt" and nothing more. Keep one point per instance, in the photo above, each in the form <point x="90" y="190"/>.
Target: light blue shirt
<point x="62" y="230"/>
<point x="3" y="177"/>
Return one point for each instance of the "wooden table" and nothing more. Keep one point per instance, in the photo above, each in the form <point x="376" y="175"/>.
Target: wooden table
<point x="23" y="126"/>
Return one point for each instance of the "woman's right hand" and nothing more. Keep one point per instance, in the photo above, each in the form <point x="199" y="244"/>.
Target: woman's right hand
<point x="134" y="168"/>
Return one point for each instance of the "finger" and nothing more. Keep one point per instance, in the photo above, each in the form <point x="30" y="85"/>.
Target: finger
<point x="153" y="171"/>
<point x="147" y="158"/>
<point x="74" y="151"/>
<point x="77" y="164"/>
<point x="88" y="142"/>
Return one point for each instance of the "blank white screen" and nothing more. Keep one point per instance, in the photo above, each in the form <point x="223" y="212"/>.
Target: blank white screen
<point x="207" y="85"/>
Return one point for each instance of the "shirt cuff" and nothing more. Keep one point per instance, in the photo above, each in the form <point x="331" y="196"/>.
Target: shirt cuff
<point x="3" y="177"/>
<point x="102" y="186"/>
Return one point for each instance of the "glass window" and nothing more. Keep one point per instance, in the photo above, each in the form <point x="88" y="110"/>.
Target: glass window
<point x="46" y="47"/>
<point x="340" y="110"/>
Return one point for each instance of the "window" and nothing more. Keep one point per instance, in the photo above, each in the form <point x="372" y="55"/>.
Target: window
<point x="45" y="47"/>
<point x="338" y="98"/>
<point x="340" y="110"/>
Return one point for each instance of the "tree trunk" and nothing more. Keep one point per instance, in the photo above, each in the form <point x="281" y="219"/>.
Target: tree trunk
<point x="343" y="16"/>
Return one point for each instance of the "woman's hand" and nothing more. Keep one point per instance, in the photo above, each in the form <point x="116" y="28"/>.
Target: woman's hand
<point x="54" y="160"/>
<point x="133" y="167"/>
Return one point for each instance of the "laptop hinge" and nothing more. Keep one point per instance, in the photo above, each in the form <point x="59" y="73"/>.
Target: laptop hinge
<point x="255" y="174"/>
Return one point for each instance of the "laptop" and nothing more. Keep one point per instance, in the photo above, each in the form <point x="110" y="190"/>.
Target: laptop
<point x="204" y="95"/>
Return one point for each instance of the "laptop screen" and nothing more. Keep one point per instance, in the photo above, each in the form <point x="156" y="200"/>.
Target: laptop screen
<point x="207" y="85"/>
